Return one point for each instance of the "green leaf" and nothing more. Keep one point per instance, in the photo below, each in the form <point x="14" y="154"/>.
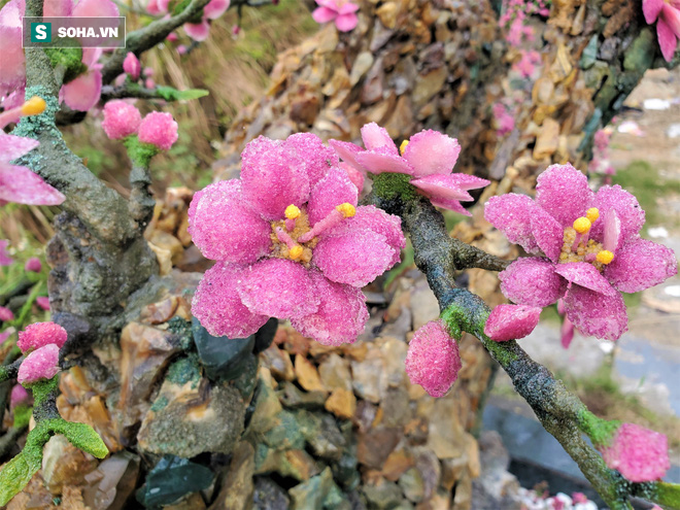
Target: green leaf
<point x="172" y="94"/>
<point x="17" y="473"/>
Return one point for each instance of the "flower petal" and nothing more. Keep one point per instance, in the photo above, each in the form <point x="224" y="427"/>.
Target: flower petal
<point x="596" y="314"/>
<point x="671" y="15"/>
<point x="585" y="275"/>
<point x="347" y="152"/>
<point x="371" y="218"/>
<point x="510" y="322"/>
<point x="347" y="8"/>
<point x="377" y="138"/>
<point x="511" y="214"/>
<point x="12" y="147"/>
<point x="532" y="281"/>
<point x="651" y="9"/>
<point x="563" y="191"/>
<point x="198" y="31"/>
<point x="641" y="264"/>
<point x="668" y="41"/>
<point x="346" y="22"/>
<point x="431" y="152"/>
<point x="377" y="163"/>
<point x="12" y="60"/>
<point x="611" y="237"/>
<point x="323" y="15"/>
<point x="433" y="359"/>
<point x="216" y="8"/>
<point x="566" y="332"/>
<point x="341" y="316"/>
<point x="218" y="306"/>
<point x="84" y="92"/>
<point x="317" y="157"/>
<point x="548" y="233"/>
<point x="355" y="175"/>
<point x="451" y="186"/>
<point x="19" y="184"/>
<point x="332" y="190"/>
<point x="274" y="176"/>
<point x="451" y="205"/>
<point x="356" y="258"/>
<point x="223" y="227"/>
<point x="627" y="209"/>
<point x="96" y="8"/>
<point x="279" y="288"/>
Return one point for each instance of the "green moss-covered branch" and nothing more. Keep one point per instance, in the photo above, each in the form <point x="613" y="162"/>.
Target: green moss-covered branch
<point x="561" y="413"/>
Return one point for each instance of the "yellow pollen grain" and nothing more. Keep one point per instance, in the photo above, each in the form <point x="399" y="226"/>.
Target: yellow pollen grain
<point x="33" y="106"/>
<point x="292" y="212"/>
<point x="582" y="225"/>
<point x="605" y="257"/>
<point x="296" y="252"/>
<point x="347" y="209"/>
<point x="402" y="147"/>
<point x="592" y="214"/>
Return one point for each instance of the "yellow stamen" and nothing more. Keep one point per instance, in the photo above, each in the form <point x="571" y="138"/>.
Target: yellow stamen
<point x="33" y="106"/>
<point x="582" y="225"/>
<point x="592" y="214"/>
<point x="292" y="212"/>
<point x="605" y="257"/>
<point x="296" y="252"/>
<point x="347" y="209"/>
<point x="402" y="147"/>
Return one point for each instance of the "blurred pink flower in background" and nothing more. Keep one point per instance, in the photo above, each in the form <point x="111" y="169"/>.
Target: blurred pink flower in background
<point x="342" y="12"/>
<point x="33" y="264"/>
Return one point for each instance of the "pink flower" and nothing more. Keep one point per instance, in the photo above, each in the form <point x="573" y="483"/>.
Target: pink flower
<point x="639" y="454"/>
<point x="526" y="64"/>
<point x="33" y="264"/>
<point x="79" y="94"/>
<point x="505" y="121"/>
<point x="121" y="119"/>
<point x="132" y="66"/>
<point x="5" y="259"/>
<point x="18" y="183"/>
<point x="6" y="314"/>
<point x="197" y="31"/>
<point x="590" y="246"/>
<point x="19" y="396"/>
<point x="159" y="129"/>
<point x="40" y="334"/>
<point x="433" y="360"/>
<point x="667" y="16"/>
<point x="5" y="335"/>
<point x="342" y="12"/>
<point x="291" y="243"/>
<point x="428" y="156"/>
<point x="43" y="302"/>
<point x="43" y="363"/>
<point x="510" y="322"/>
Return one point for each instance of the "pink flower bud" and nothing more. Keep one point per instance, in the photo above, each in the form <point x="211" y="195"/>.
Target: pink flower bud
<point x="639" y="454"/>
<point x="132" y="66"/>
<point x="159" y="129"/>
<point x="6" y="314"/>
<point x="19" y="396"/>
<point x="40" y="334"/>
<point x="147" y="72"/>
<point x="433" y="360"/>
<point x="510" y="322"/>
<point x="235" y="30"/>
<point x="33" y="264"/>
<point x="43" y="302"/>
<point x="182" y="49"/>
<point x="43" y="363"/>
<point x="120" y="119"/>
<point x="172" y="37"/>
<point x="149" y="83"/>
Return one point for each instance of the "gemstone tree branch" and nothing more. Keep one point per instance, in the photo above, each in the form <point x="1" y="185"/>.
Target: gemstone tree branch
<point x="560" y="412"/>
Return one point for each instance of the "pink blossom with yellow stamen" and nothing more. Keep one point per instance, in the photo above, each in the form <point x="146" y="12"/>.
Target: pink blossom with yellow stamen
<point x="291" y="242"/>
<point x="589" y="250"/>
